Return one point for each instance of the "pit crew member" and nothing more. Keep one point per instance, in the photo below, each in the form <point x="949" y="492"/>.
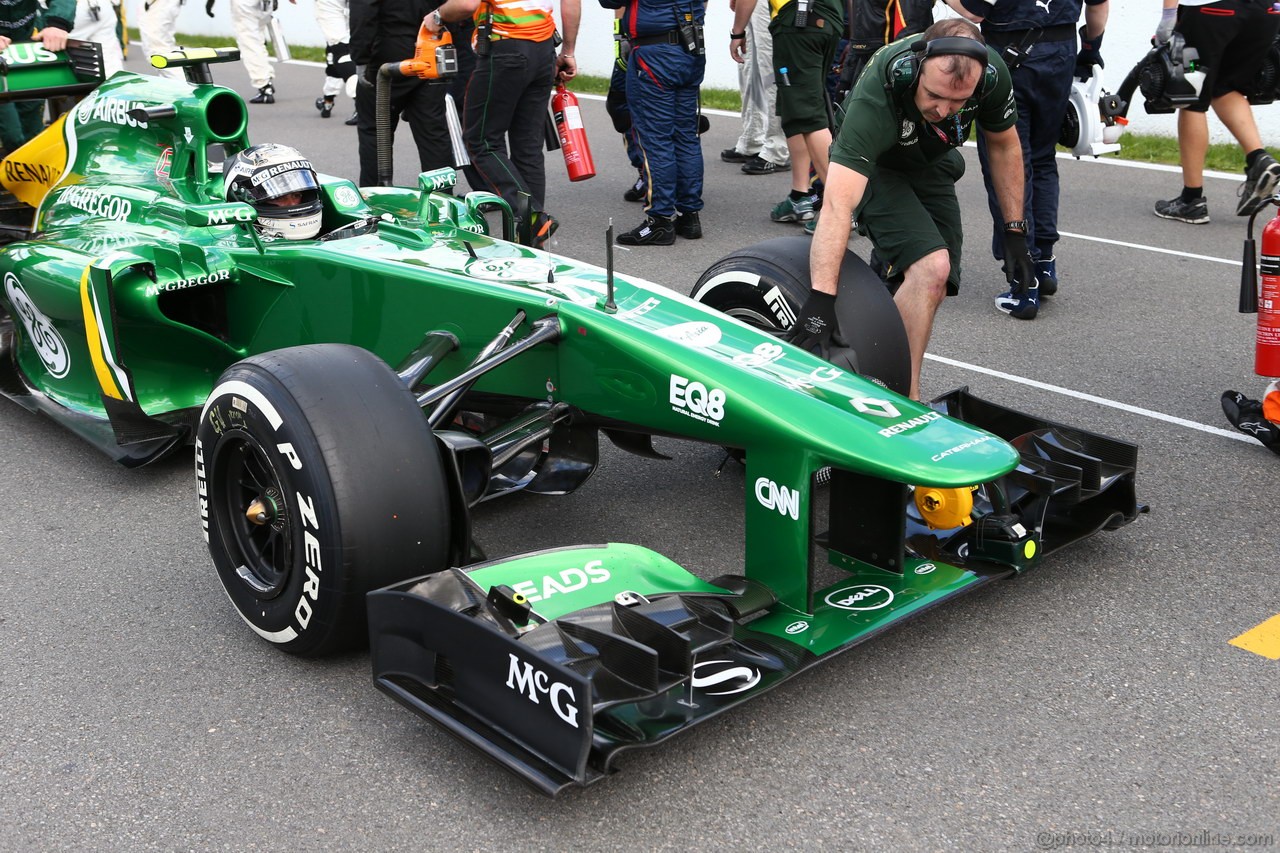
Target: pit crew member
<point x="894" y="166"/>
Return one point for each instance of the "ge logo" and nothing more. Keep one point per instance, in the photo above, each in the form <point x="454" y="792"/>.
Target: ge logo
<point x="865" y="596"/>
<point x="346" y="197"/>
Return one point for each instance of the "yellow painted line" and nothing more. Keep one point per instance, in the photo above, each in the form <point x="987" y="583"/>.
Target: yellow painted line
<point x="93" y="338"/>
<point x="1262" y="640"/>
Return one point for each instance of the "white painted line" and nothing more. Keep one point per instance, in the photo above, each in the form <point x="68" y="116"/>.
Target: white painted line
<point x="1153" y="167"/>
<point x="1146" y="248"/>
<point x="1102" y="401"/>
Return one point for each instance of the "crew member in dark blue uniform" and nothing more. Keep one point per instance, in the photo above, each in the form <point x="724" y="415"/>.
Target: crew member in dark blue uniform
<point x="615" y="103"/>
<point x="1037" y="40"/>
<point x="664" y="74"/>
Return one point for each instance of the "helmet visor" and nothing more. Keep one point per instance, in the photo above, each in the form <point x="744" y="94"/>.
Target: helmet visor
<point x="275" y="181"/>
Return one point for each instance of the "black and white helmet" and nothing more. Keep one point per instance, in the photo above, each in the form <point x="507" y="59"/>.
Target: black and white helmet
<point x="264" y="176"/>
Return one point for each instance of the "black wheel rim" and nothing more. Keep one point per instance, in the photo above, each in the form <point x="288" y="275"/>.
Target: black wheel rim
<point x="252" y="516"/>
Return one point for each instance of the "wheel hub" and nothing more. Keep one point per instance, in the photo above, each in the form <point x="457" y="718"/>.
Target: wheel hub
<point x="263" y="509"/>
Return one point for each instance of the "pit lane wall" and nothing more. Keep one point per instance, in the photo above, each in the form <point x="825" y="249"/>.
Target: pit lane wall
<point x="1128" y="39"/>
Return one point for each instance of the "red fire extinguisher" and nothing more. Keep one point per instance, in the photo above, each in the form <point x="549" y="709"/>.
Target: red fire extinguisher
<point x="1267" y="355"/>
<point x="573" y="136"/>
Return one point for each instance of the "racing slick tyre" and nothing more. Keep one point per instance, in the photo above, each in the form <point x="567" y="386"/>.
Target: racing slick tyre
<point x="765" y="285"/>
<point x="319" y="480"/>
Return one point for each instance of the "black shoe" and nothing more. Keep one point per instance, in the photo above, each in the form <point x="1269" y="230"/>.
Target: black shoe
<point x="757" y="165"/>
<point x="689" y="225"/>
<point x="1259" y="185"/>
<point x="266" y="95"/>
<point x="1191" y="212"/>
<point x="1246" y="416"/>
<point x="353" y="121"/>
<point x="654" y="231"/>
<point x="639" y="191"/>
<point x="324" y="104"/>
<point x="1047" y="275"/>
<point x="1021" y="303"/>
<point x="733" y="155"/>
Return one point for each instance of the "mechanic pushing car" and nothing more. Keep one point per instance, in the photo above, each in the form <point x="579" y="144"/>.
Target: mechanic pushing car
<point x="280" y="184"/>
<point x="894" y="166"/>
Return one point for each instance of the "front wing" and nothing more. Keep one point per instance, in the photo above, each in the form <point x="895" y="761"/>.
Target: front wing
<point x="556" y="662"/>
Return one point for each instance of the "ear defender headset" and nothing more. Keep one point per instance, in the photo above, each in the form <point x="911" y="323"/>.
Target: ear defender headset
<point x="904" y="72"/>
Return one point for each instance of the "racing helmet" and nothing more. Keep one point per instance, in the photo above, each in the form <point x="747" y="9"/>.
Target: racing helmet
<point x="280" y="185"/>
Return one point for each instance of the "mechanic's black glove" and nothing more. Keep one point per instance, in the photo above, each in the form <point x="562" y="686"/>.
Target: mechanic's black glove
<point x="208" y="8"/>
<point x="1017" y="262"/>
<point x="1089" y="55"/>
<point x="816" y="323"/>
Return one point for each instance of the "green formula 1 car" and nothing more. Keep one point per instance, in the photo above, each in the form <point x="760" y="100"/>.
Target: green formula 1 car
<point x="352" y="397"/>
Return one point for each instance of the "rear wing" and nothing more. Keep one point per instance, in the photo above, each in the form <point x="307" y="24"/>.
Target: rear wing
<point x="28" y="71"/>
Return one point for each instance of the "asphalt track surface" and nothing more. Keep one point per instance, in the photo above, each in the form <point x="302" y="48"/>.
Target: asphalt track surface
<point x="1096" y="700"/>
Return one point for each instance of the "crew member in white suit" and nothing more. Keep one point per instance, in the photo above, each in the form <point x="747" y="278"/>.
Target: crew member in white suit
<point x="333" y="16"/>
<point x="96" y="21"/>
<point x="157" y="27"/>
<point x="250" y="19"/>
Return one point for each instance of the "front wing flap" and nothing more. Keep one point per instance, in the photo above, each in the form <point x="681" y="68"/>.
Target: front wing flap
<point x="556" y="700"/>
<point x="1070" y="483"/>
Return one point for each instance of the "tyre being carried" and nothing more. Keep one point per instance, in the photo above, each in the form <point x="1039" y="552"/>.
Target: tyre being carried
<point x="765" y="285"/>
<point x="319" y="480"/>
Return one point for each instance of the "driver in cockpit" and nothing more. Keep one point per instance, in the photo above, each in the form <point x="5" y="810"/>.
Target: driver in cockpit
<point x="281" y="185"/>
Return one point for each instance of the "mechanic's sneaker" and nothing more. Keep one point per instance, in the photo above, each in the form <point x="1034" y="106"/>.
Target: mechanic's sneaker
<point x="1021" y="303"/>
<point x="654" y="231"/>
<point x="733" y="155"/>
<point x="689" y="225"/>
<point x="353" y="121"/>
<point x="1047" y="275"/>
<point x="638" y="191"/>
<point x="266" y="95"/>
<point x="757" y="165"/>
<point x="1191" y="212"/>
<point x="1246" y="416"/>
<point x="325" y="105"/>
<point x="789" y="210"/>
<point x="1259" y="185"/>
<point x="812" y="225"/>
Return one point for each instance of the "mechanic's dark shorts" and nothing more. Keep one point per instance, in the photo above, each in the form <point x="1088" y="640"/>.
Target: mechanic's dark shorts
<point x="1232" y="37"/>
<point x="807" y="54"/>
<point x="907" y="215"/>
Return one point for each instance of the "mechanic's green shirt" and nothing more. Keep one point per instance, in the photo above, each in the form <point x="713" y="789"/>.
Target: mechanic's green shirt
<point x="18" y="18"/>
<point x="884" y="129"/>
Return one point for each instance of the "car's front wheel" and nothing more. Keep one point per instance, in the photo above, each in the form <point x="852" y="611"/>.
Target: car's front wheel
<point x="319" y="480"/>
<point x="766" y="285"/>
